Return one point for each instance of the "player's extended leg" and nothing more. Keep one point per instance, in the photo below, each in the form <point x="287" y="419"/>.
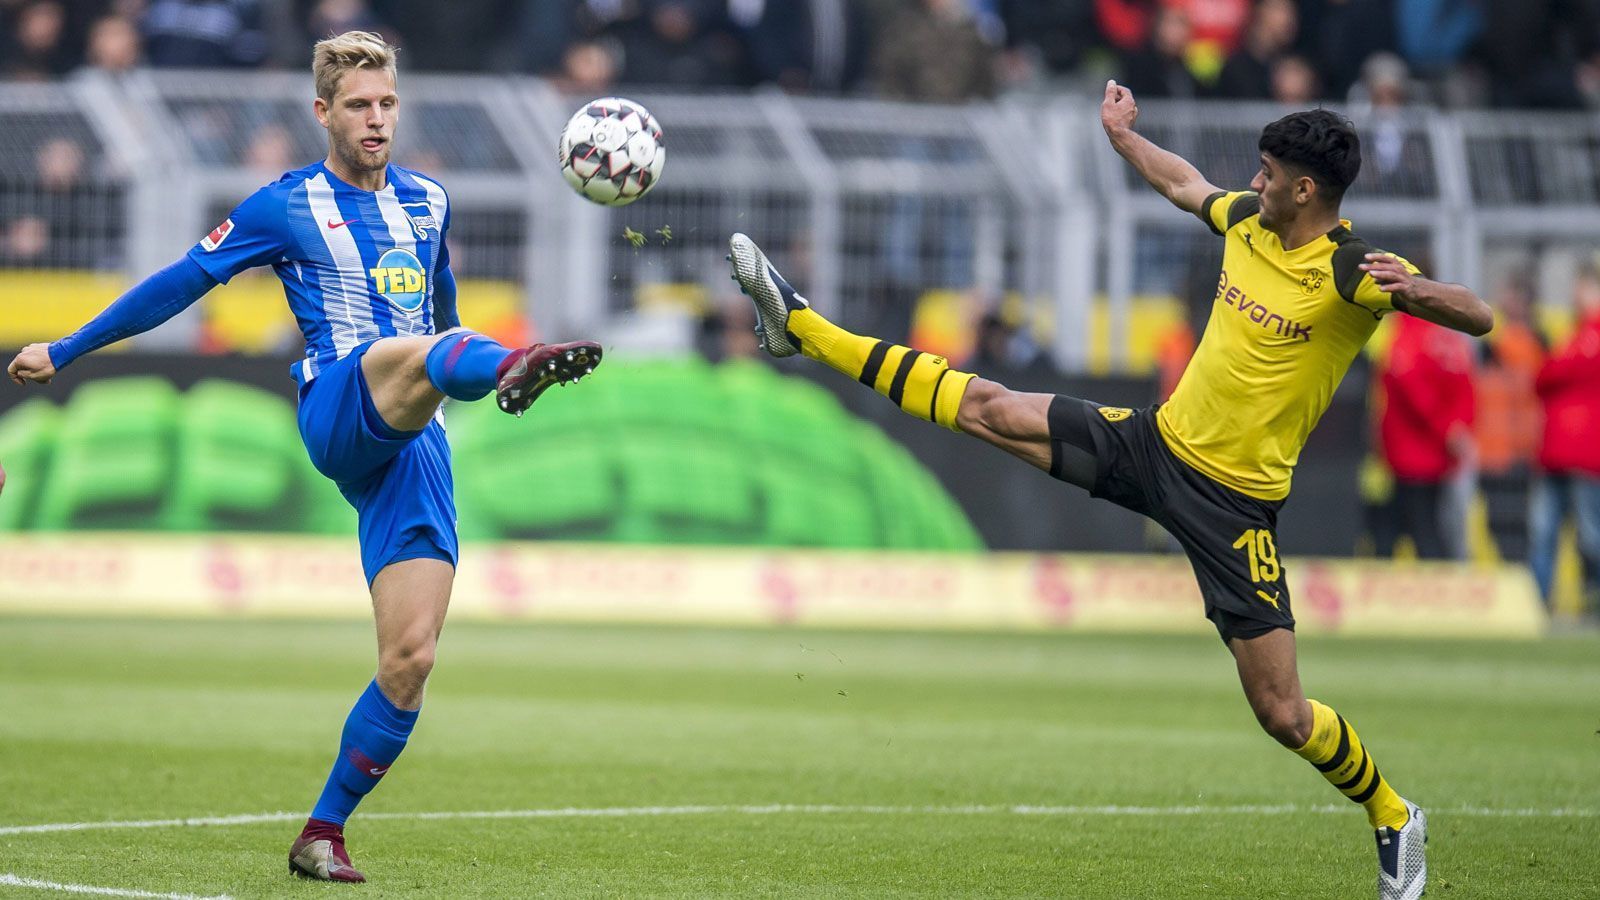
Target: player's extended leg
<point x="1016" y="422"/>
<point x="409" y="599"/>
<point x="408" y="377"/>
<point x="921" y="384"/>
<point x="1040" y="429"/>
<point x="1322" y="737"/>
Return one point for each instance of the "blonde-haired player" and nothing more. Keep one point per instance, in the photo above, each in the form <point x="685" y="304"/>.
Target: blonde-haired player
<point x="359" y="244"/>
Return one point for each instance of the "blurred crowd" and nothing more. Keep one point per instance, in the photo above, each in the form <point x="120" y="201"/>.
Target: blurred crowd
<point x="62" y="216"/>
<point x="1509" y="425"/>
<point x="1524" y="53"/>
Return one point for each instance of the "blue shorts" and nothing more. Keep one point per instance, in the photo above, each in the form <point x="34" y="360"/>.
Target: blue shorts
<point x="398" y="481"/>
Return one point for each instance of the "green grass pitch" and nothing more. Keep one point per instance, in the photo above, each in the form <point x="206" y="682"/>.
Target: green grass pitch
<point x="140" y="720"/>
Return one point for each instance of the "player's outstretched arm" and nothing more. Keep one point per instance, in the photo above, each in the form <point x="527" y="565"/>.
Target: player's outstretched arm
<point x="1440" y="302"/>
<point x="1167" y="172"/>
<point x="146" y="305"/>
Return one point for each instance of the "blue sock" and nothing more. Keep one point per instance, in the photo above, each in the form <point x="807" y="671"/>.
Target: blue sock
<point x="374" y="735"/>
<point x="462" y="365"/>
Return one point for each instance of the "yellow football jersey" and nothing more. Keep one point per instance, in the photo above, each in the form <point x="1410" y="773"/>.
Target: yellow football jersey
<point x="1284" y="327"/>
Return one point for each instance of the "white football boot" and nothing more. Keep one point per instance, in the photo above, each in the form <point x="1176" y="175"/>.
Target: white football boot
<point x="773" y="296"/>
<point x="1403" y="857"/>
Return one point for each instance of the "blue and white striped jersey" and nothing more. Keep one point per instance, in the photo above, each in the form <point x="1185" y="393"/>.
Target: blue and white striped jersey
<point x="355" y="265"/>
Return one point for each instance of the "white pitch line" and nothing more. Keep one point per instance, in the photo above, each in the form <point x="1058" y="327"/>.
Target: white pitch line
<point x="153" y="823"/>
<point x="800" y="809"/>
<point x="11" y="880"/>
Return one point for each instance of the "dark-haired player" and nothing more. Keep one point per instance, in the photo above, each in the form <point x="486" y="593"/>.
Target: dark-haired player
<point x="1298" y="296"/>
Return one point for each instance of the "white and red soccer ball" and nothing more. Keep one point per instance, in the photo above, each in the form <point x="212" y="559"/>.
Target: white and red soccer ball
<point x="611" y="151"/>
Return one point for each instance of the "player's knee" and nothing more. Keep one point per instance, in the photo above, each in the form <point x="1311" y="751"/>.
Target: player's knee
<point x="392" y="355"/>
<point x="399" y="367"/>
<point x="416" y="350"/>
<point x="1287" y="720"/>
<point x="410" y="659"/>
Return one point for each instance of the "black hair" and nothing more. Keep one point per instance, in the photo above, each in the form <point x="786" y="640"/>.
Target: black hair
<point x="1320" y="143"/>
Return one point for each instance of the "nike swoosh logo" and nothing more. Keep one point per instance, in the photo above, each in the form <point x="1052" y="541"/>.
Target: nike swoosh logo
<point x="332" y="224"/>
<point x="378" y="771"/>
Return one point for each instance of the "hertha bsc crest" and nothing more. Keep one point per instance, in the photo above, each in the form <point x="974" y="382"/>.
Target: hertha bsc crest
<point x="1115" y="413"/>
<point x="422" y="221"/>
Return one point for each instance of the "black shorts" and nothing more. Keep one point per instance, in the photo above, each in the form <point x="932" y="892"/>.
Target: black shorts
<point x="1231" y="538"/>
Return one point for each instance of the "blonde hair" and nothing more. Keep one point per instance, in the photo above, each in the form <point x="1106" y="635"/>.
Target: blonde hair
<point x="332" y="57"/>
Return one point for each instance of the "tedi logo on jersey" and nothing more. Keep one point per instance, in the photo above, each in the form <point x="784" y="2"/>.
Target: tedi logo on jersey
<point x="400" y="279"/>
<point x="421" y="216"/>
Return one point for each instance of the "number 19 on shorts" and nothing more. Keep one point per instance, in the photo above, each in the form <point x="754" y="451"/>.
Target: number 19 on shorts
<point x="1257" y="544"/>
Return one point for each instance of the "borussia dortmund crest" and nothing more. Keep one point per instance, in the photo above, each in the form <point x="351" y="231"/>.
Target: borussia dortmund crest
<point x="1115" y="413"/>
<point x="1312" y="282"/>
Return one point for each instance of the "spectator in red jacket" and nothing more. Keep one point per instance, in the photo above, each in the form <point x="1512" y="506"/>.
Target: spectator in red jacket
<point x="1215" y="28"/>
<point x="1426" y="426"/>
<point x="1569" y="459"/>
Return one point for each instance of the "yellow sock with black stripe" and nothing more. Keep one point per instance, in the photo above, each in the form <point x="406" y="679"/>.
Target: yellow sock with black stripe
<point x="920" y="383"/>
<point x="1336" y="751"/>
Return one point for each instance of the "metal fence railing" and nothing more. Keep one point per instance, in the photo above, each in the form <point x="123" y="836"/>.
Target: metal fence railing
<point x="63" y="185"/>
<point x="1533" y="188"/>
<point x="868" y="204"/>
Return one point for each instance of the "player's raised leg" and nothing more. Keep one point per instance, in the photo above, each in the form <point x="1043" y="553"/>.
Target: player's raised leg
<point x="922" y="384"/>
<point x="1322" y="737"/>
<point x="409" y="377"/>
<point x="409" y="599"/>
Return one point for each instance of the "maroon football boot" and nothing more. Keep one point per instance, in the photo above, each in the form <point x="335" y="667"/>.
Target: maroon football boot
<point x="319" y="853"/>
<point x="525" y="374"/>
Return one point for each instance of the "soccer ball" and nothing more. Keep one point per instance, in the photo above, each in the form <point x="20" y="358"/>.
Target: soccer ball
<point x="611" y="151"/>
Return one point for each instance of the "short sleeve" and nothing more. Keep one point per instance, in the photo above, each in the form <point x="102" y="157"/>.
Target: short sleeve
<point x="254" y="234"/>
<point x="1225" y="209"/>
<point x="1356" y="286"/>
